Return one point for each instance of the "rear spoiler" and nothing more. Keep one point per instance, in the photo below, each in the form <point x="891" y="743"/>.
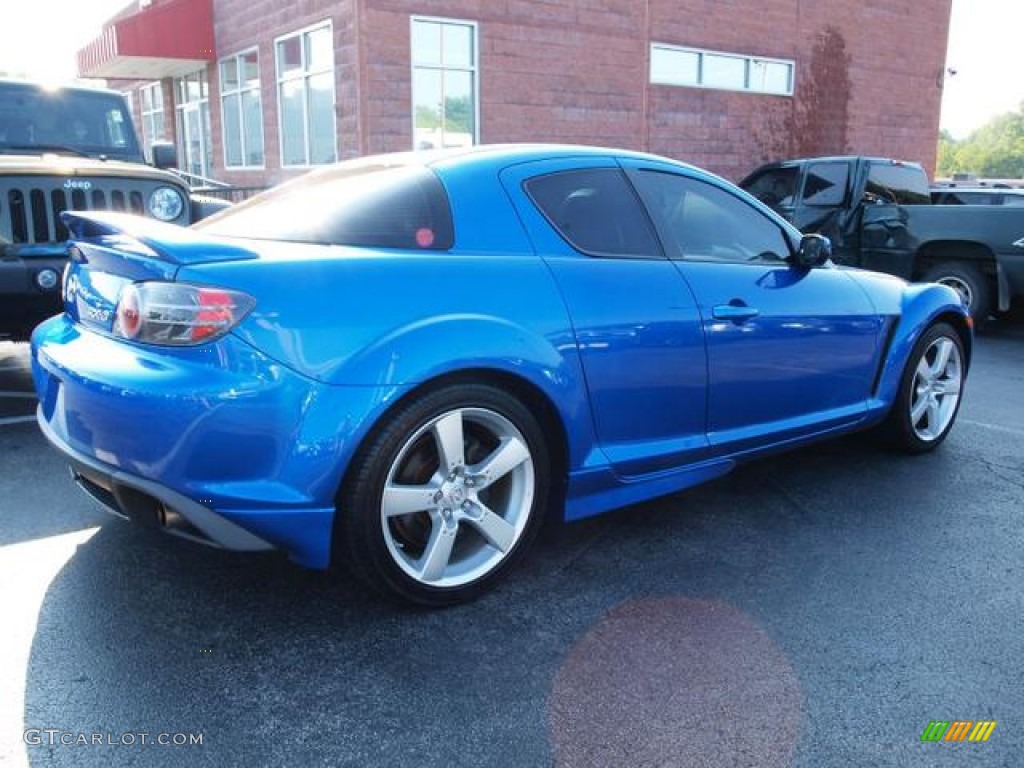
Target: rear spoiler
<point x="167" y="242"/>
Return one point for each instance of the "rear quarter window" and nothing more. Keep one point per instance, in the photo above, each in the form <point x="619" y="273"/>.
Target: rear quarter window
<point x="402" y="207"/>
<point x="596" y="211"/>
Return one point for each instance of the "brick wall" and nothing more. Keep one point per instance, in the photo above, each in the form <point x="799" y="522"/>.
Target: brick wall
<point x="243" y="24"/>
<point x="867" y="79"/>
<point x="867" y="76"/>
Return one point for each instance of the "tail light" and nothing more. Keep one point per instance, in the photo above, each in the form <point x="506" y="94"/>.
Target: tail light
<point x="178" y="314"/>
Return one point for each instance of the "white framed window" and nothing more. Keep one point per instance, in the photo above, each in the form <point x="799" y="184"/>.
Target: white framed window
<point x="151" y="103"/>
<point x="305" y="95"/>
<point x="241" y="109"/>
<point x="195" y="145"/>
<point x="697" y="68"/>
<point x="445" y="82"/>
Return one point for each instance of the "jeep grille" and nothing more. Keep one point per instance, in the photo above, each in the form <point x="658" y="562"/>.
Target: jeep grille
<point x="30" y="208"/>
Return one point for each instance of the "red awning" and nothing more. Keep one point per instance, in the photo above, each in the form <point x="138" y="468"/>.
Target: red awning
<point x="165" y="39"/>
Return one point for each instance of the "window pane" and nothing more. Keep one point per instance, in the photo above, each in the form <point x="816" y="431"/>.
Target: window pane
<point x="595" y="211"/>
<point x="321" y="118"/>
<point x="826" y="184"/>
<point x="252" y="121"/>
<point x="459" y="117"/>
<point x="457" y="40"/>
<point x="426" y="43"/>
<point x="427" y="108"/>
<point x="724" y="71"/>
<point x="229" y="74"/>
<point x="770" y="77"/>
<point x="708" y="223"/>
<point x="232" y="131"/>
<point x="671" y="67"/>
<point x="250" y="69"/>
<point x="775" y="187"/>
<point x="293" y="131"/>
<point x="372" y="206"/>
<point x="903" y="184"/>
<point x="289" y="55"/>
<point x="319" y="50"/>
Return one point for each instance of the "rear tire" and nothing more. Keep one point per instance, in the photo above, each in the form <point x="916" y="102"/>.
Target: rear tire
<point x="930" y="392"/>
<point x="974" y="289"/>
<point x="443" y="499"/>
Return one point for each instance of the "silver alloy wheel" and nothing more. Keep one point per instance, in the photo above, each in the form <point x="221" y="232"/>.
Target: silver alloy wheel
<point x="457" y="497"/>
<point x="935" y="391"/>
<point x="962" y="288"/>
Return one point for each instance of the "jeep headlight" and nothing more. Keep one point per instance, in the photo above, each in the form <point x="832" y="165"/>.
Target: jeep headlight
<point x="165" y="203"/>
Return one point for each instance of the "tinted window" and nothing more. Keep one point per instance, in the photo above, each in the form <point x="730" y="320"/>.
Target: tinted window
<point x="775" y="186"/>
<point x="596" y="211"/>
<point x="34" y="119"/>
<point x="903" y="184"/>
<point x="706" y="222"/>
<point x="826" y="184"/>
<point x="350" y="204"/>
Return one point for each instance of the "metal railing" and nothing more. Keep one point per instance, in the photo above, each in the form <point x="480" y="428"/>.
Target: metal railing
<point x="201" y="185"/>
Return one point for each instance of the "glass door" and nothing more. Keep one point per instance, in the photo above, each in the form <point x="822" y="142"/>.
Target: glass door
<point x="195" y="149"/>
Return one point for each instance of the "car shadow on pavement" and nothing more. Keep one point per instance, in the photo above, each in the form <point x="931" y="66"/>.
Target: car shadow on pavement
<point x="274" y="664"/>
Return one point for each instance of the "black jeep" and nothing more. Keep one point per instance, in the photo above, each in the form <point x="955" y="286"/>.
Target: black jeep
<point x="69" y="148"/>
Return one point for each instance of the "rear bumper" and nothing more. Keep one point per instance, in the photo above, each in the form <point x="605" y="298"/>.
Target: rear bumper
<point x="219" y="444"/>
<point x="140" y="500"/>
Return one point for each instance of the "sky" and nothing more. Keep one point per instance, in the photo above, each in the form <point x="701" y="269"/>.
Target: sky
<point x="983" y="51"/>
<point x="39" y="38"/>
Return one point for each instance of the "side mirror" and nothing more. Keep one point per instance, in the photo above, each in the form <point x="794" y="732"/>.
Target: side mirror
<point x="814" y="251"/>
<point x="164" y="155"/>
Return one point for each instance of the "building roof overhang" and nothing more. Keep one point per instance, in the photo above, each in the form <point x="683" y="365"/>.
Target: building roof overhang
<point x="162" y="39"/>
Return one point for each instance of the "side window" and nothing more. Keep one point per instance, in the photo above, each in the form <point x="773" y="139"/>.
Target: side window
<point x="775" y="186"/>
<point x="826" y="184"/>
<point x="901" y="184"/>
<point x="707" y="223"/>
<point x="595" y="211"/>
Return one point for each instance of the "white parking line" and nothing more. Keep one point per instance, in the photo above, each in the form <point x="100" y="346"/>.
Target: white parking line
<point x="17" y="420"/>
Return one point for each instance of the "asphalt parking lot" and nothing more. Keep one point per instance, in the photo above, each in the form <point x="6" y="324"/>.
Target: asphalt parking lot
<point x="816" y="609"/>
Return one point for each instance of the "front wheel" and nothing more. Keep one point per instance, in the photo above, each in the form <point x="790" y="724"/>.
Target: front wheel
<point x="441" y="502"/>
<point x="929" y="395"/>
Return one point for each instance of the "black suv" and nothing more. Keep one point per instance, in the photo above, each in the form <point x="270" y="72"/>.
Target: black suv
<point x="69" y="148"/>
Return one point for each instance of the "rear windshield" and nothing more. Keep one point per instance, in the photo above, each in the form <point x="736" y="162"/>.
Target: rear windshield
<point x="896" y="183"/>
<point x="378" y="206"/>
<point x="62" y="120"/>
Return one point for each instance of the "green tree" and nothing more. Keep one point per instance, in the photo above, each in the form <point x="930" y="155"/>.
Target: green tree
<point x="996" y="150"/>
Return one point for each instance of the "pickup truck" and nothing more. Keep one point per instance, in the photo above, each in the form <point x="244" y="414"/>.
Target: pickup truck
<point x="70" y="148"/>
<point x="879" y="215"/>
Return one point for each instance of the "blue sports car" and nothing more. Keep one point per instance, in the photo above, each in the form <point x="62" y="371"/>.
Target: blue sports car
<point x="402" y="362"/>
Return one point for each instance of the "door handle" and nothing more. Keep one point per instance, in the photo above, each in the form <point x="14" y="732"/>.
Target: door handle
<point x="735" y="312"/>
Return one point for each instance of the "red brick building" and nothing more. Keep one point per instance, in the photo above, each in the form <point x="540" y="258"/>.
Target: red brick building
<point x="254" y="91"/>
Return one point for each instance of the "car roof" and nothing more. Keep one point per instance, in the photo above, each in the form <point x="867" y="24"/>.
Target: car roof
<point x="990" y="190"/>
<point x="493" y="158"/>
<point x="53" y="87"/>
<point x="838" y="159"/>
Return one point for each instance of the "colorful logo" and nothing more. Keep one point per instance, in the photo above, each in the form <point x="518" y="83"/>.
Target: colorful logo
<point x="958" y="730"/>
